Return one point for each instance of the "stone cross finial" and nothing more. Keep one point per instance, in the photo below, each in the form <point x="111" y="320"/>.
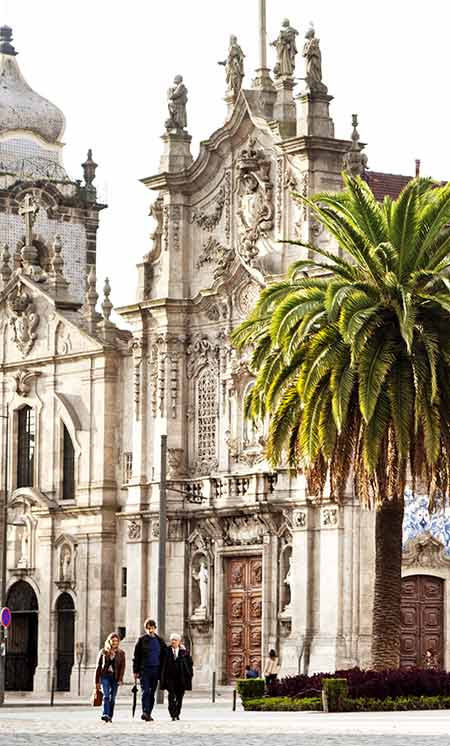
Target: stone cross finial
<point x="5" y="270"/>
<point x="28" y="209"/>
<point x="107" y="306"/>
<point x="355" y="161"/>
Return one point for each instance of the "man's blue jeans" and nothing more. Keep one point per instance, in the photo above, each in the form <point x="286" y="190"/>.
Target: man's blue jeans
<point x="149" y="681"/>
<point x="109" y="688"/>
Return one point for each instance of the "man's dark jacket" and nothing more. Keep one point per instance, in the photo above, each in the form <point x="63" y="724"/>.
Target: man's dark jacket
<point x="141" y="653"/>
<point x="177" y="672"/>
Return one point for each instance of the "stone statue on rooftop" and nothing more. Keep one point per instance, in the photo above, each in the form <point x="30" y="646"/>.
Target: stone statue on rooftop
<point x="234" y="67"/>
<point x="313" y="62"/>
<point x="176" y="101"/>
<point x="286" y="48"/>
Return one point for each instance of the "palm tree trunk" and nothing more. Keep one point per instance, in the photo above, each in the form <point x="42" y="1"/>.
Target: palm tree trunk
<point x="388" y="585"/>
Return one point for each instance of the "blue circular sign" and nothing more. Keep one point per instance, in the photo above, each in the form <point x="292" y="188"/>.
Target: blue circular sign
<point x="5" y="617"/>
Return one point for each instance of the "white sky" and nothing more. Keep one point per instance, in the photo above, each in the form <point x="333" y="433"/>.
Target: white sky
<point x="108" y="64"/>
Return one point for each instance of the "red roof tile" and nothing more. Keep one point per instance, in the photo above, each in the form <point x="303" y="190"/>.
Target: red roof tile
<point x="386" y="184"/>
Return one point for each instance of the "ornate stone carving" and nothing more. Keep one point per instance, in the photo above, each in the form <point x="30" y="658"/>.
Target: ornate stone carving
<point x="155" y="529"/>
<point x="299" y="519"/>
<point x="234" y="68"/>
<point x="135" y="346"/>
<point x="244" y="530"/>
<point x="329" y="517"/>
<point x="209" y="221"/>
<point x="23" y="319"/>
<point x="279" y="190"/>
<point x="228" y="205"/>
<point x="175" y="461"/>
<point x="134" y="529"/>
<point x="201" y="351"/>
<point x="23" y="380"/>
<point x="256" y="209"/>
<point x="156" y="212"/>
<point x="313" y="63"/>
<point x="355" y="161"/>
<point x="425" y="551"/>
<point x="286" y="48"/>
<point x="176" y="103"/>
<point x="214" y="252"/>
<point x="247" y="297"/>
<point x="175" y="530"/>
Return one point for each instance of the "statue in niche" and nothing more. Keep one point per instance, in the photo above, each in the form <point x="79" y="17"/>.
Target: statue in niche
<point x="176" y="101"/>
<point x="286" y="48"/>
<point x="66" y="565"/>
<point x="313" y="62"/>
<point x="24" y="544"/>
<point x="201" y="577"/>
<point x="234" y="67"/>
<point x="288" y="583"/>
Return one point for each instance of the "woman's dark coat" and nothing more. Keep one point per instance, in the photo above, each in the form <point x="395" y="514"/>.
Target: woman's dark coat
<point x="177" y="672"/>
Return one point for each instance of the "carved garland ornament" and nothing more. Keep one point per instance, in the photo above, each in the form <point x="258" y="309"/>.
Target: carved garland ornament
<point x="213" y="251"/>
<point x="23" y="319"/>
<point x="209" y="221"/>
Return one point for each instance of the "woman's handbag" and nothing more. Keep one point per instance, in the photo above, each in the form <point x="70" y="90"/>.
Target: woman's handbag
<point x="96" y="697"/>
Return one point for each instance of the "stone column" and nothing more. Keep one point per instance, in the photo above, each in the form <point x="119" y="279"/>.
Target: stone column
<point x="284" y="111"/>
<point x="176" y="155"/>
<point x="137" y="585"/>
<point x="176" y="566"/>
<point x="46" y="598"/>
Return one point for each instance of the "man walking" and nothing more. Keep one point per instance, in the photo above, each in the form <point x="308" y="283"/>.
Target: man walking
<point x="176" y="675"/>
<point x="148" y="659"/>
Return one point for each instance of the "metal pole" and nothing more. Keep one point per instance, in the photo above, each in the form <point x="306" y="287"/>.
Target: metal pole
<point x="213" y="693"/>
<point x="162" y="547"/>
<point x="4" y="560"/>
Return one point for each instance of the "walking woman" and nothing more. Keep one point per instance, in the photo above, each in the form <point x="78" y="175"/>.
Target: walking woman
<point x="271" y="667"/>
<point x="109" y="673"/>
<point x="176" y="675"/>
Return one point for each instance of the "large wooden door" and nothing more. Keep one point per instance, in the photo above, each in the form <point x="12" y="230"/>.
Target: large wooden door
<point x="21" y="650"/>
<point x="65" y="642"/>
<point x="422" y="613"/>
<point x="244" y="614"/>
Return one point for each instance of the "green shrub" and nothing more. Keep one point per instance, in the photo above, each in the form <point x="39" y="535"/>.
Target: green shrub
<point x="362" y="704"/>
<point x="250" y="688"/>
<point x="336" y="694"/>
<point x="282" y="704"/>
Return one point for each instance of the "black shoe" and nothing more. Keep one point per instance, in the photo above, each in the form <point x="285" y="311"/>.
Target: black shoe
<point x="105" y="718"/>
<point x="174" y="719"/>
<point x="178" y="717"/>
<point x="145" y="716"/>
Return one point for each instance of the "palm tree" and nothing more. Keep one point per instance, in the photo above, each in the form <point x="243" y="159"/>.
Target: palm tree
<point x="352" y="365"/>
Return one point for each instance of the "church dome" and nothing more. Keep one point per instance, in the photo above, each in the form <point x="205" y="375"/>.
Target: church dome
<point x="21" y="108"/>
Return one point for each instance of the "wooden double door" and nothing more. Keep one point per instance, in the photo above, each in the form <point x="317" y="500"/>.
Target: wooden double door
<point x="243" y="615"/>
<point x="422" y="620"/>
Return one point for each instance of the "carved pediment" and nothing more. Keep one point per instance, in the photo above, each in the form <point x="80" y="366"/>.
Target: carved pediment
<point x="425" y="551"/>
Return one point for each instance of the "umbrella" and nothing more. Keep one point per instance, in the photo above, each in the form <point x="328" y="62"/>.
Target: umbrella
<point x="134" y="692"/>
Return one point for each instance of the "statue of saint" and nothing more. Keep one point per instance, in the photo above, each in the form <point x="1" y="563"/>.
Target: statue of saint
<point x="176" y="102"/>
<point x="286" y="50"/>
<point x="288" y="583"/>
<point x="66" y="565"/>
<point x="313" y="61"/>
<point x="202" y="579"/>
<point x="23" y="559"/>
<point x="234" y="67"/>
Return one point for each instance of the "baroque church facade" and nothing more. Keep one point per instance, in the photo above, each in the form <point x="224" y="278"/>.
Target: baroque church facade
<point x="252" y="562"/>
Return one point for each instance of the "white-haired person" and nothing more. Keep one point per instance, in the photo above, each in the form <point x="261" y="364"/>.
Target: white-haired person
<point x="176" y="674"/>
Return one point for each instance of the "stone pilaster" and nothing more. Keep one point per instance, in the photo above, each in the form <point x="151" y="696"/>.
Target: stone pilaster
<point x="284" y="111"/>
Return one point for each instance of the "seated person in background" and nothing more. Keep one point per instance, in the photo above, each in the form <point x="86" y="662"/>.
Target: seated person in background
<point x="251" y="673"/>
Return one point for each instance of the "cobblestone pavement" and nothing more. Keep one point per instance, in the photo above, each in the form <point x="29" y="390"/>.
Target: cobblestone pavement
<point x="204" y="724"/>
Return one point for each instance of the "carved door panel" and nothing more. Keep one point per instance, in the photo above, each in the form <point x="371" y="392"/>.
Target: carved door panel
<point x="421" y="620"/>
<point x="244" y="615"/>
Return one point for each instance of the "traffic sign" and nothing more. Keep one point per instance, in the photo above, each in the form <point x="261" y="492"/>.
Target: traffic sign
<point x="5" y="617"/>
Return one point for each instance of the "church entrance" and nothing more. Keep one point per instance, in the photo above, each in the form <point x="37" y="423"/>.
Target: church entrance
<point x="243" y="614"/>
<point x="422" y="614"/>
<point x="65" y="641"/>
<point x="21" y="655"/>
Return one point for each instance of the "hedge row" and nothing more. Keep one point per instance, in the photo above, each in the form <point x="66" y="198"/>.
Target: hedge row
<point x="395" y="683"/>
<point x="362" y="704"/>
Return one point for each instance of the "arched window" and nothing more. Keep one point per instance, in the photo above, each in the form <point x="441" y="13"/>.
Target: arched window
<point x="25" y="446"/>
<point x="68" y="484"/>
<point x="207" y="403"/>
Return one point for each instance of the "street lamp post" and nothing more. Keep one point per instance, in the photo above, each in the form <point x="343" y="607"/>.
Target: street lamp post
<point x="4" y="518"/>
